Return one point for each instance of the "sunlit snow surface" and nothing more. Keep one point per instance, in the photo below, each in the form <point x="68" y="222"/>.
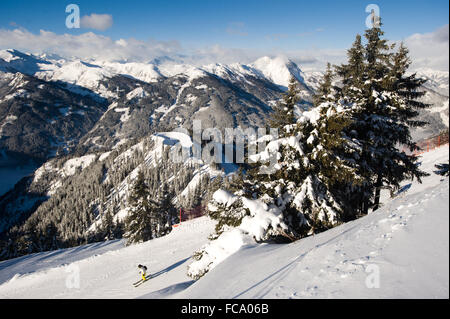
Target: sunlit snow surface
<point x="405" y="244"/>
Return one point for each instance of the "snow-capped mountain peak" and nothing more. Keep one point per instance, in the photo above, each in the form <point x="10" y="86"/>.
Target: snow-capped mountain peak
<point x="279" y="69"/>
<point x="22" y="62"/>
<point x="76" y="72"/>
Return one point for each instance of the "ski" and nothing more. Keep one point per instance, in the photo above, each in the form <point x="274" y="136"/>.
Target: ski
<point x="137" y="282"/>
<point x="140" y="282"/>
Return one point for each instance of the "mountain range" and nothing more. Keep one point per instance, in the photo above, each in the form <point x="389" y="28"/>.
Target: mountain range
<point x="60" y="117"/>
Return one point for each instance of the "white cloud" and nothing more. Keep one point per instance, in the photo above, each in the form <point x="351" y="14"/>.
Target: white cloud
<point x="429" y="50"/>
<point x="86" y="46"/>
<point x="220" y="54"/>
<point x="317" y="59"/>
<point x="97" y="21"/>
<point x="312" y="59"/>
<point x="93" y="46"/>
<point x="122" y="42"/>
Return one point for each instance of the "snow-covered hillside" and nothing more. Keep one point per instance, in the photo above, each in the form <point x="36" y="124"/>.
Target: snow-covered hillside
<point x="106" y="270"/>
<point x="279" y="69"/>
<point x="399" y="251"/>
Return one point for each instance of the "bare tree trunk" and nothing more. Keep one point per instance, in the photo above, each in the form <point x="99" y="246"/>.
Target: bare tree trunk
<point x="283" y="233"/>
<point x="365" y="206"/>
<point x="378" y="186"/>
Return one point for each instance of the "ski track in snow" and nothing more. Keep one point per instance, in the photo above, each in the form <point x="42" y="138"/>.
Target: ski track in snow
<point x="334" y="264"/>
<point x="406" y="240"/>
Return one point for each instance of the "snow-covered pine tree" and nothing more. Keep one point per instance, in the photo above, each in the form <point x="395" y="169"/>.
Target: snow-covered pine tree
<point x="352" y="73"/>
<point x="325" y="89"/>
<point x="354" y="198"/>
<point x="50" y="236"/>
<point x="300" y="195"/>
<point x="325" y="163"/>
<point x="384" y="100"/>
<point x="139" y="222"/>
<point x="284" y="111"/>
<point x="315" y="160"/>
<point x="197" y="195"/>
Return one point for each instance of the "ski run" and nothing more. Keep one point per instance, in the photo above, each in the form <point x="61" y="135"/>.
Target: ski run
<point x="399" y="251"/>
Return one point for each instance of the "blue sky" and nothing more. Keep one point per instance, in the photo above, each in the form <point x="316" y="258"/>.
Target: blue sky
<point x="247" y="24"/>
<point x="250" y="23"/>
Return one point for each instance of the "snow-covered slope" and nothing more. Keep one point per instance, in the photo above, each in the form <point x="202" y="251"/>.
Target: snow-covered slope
<point x="402" y="249"/>
<point x="437" y="80"/>
<point x="79" y="73"/>
<point x="437" y="96"/>
<point x="279" y="69"/>
<point x="141" y="71"/>
<point x="106" y="270"/>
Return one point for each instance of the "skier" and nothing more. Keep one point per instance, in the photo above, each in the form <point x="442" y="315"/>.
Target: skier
<point x="142" y="271"/>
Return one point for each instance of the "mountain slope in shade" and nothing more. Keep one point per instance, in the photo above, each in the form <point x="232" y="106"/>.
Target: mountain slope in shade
<point x="23" y="62"/>
<point x="38" y="117"/>
<point x="173" y="94"/>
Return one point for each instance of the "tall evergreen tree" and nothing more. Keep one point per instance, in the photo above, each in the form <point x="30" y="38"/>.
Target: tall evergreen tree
<point x="139" y="222"/>
<point x="354" y="197"/>
<point x="352" y="73"/>
<point x="325" y="92"/>
<point x="284" y="111"/>
<point x="313" y="163"/>
<point x="384" y="106"/>
<point x="166" y="209"/>
<point x="108" y="226"/>
<point x="337" y="156"/>
<point x="50" y="237"/>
